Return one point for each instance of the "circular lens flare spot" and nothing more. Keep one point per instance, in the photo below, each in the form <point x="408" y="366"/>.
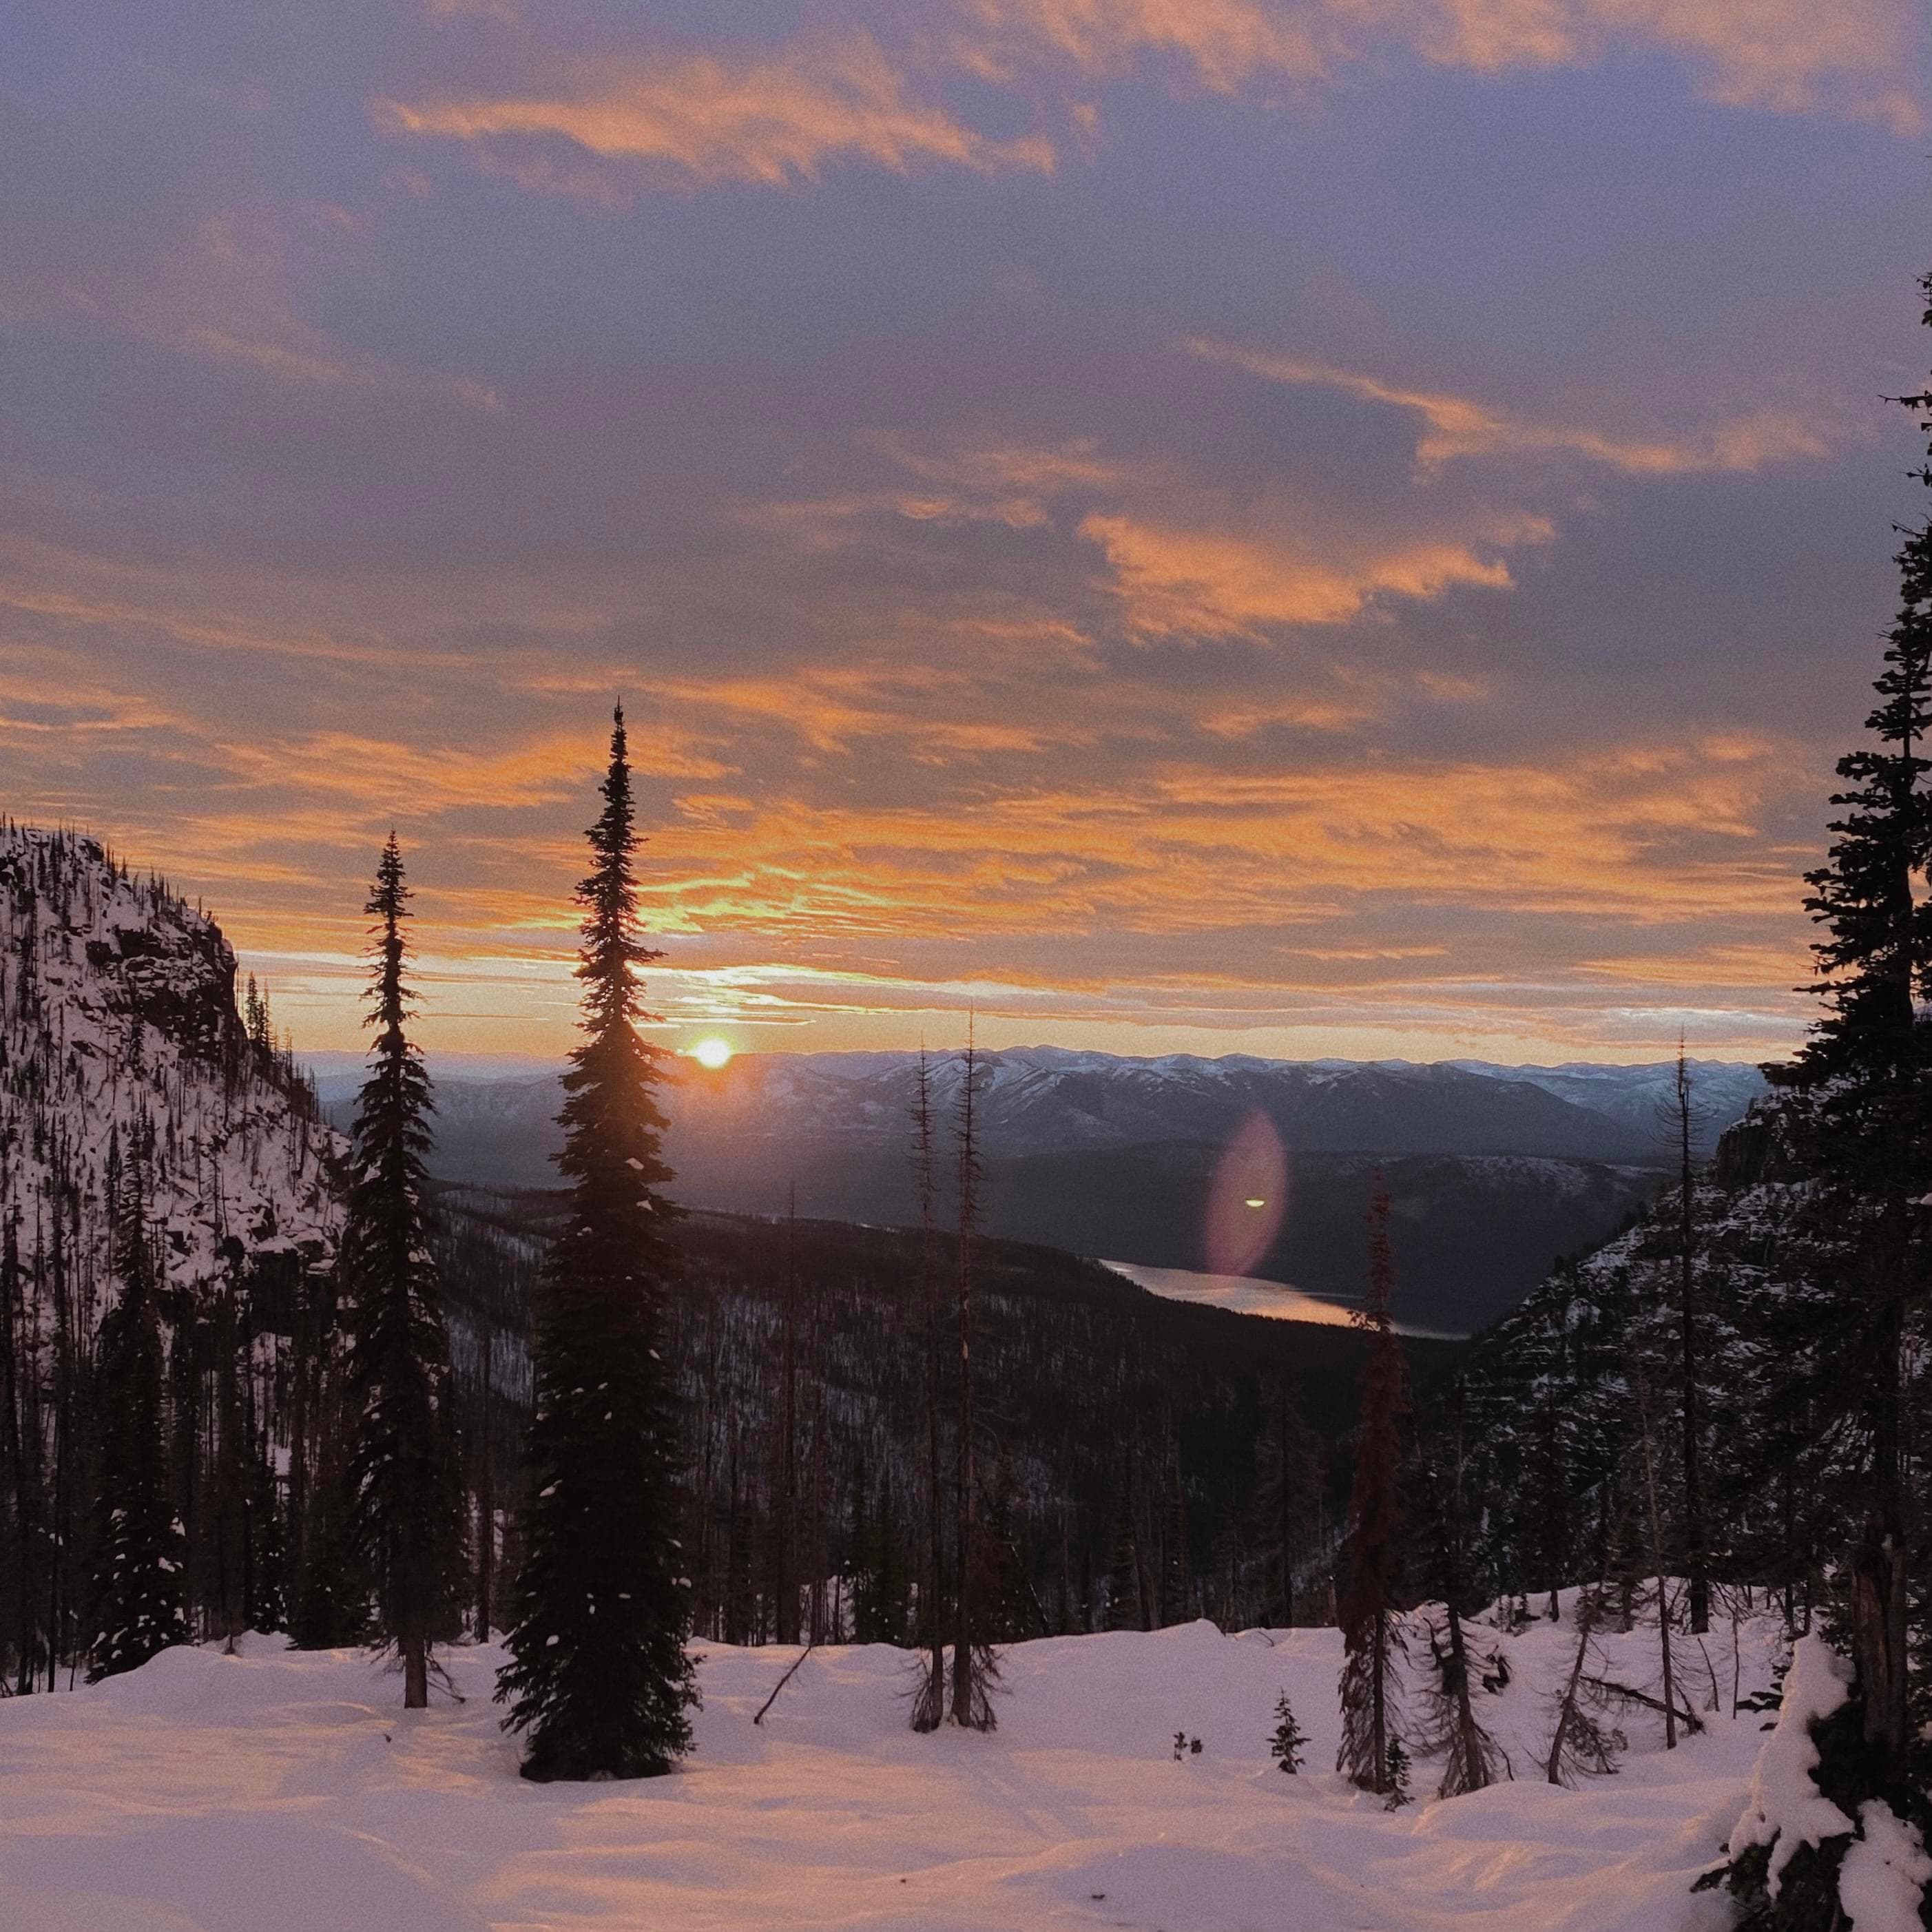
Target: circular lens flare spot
<point x="712" y="1053"/>
<point x="1245" y="1197"/>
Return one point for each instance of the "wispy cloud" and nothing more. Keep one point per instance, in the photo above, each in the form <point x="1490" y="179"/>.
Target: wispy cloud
<point x="1226" y="43"/>
<point x="1792" y="56"/>
<point x="1458" y="426"/>
<point x="702" y="119"/>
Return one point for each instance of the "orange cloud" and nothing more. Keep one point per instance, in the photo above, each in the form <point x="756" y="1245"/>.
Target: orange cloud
<point x="830" y="707"/>
<point x="1227" y="42"/>
<point x="1793" y="56"/>
<point x="1191" y="582"/>
<point x="702" y="120"/>
<point x="1456" y="426"/>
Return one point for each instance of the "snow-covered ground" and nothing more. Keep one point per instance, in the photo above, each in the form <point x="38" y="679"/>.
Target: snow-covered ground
<point x="276" y="1792"/>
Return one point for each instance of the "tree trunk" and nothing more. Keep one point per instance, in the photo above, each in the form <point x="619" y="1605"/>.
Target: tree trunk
<point x="1879" y="1569"/>
<point x="1695" y="1565"/>
<point x="486" y="1489"/>
<point x="1657" y="1564"/>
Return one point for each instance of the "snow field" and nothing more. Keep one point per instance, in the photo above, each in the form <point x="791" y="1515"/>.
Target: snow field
<point x="276" y="1791"/>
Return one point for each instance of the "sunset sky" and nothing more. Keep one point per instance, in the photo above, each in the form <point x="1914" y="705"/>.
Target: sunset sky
<point x="1353" y="527"/>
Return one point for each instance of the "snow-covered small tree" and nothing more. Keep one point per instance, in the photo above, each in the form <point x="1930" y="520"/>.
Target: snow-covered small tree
<point x="1790" y="1853"/>
<point x="139" y="1546"/>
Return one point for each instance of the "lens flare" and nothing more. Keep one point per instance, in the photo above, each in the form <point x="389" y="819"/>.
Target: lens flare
<point x="712" y="1053"/>
<point x="1246" y="1199"/>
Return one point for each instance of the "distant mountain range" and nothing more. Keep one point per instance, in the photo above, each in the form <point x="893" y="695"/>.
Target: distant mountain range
<point x="1494" y="1170"/>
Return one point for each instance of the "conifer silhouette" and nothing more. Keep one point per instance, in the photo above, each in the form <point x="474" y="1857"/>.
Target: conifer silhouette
<point x="599" y="1680"/>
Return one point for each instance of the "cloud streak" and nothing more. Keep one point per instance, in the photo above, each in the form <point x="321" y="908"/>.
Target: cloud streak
<point x="1455" y="427"/>
<point x="704" y="120"/>
<point x="1791" y="56"/>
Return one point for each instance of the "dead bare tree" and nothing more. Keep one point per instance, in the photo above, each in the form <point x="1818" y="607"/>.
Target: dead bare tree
<point x="1580" y="1743"/>
<point x="973" y="1667"/>
<point x="928" y="1709"/>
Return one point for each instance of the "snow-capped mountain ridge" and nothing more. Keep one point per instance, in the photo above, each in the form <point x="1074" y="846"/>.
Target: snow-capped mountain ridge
<point x="1035" y="1100"/>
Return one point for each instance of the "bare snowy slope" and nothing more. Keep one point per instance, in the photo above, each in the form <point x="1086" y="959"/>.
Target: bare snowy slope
<point x="120" y="1048"/>
<point x="226" y="1794"/>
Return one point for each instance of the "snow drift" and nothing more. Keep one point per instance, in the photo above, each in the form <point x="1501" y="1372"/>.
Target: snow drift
<point x="211" y="1793"/>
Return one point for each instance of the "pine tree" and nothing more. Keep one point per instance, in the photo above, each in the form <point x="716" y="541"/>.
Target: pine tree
<point x="1866" y="1071"/>
<point x="1395" y="1776"/>
<point x="1173" y="1606"/>
<point x="406" y="1502"/>
<point x="331" y="1607"/>
<point x="1548" y="1483"/>
<point x="879" y="1592"/>
<point x="1123" y="1569"/>
<point x="1371" y="1628"/>
<point x="1288" y="1476"/>
<point x="230" y="1512"/>
<point x="139" y="1548"/>
<point x="1472" y="1758"/>
<point x="1287" y="1743"/>
<point x="599" y="1679"/>
<point x="1684" y="1114"/>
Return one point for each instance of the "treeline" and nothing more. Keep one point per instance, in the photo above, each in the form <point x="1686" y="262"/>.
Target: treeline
<point x="1738" y="1391"/>
<point x="1138" y="1463"/>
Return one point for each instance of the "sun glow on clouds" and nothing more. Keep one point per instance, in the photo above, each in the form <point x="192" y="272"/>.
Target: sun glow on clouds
<point x="1005" y="623"/>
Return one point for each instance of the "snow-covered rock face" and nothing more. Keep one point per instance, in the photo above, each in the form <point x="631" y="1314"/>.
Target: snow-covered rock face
<point x="119" y="1035"/>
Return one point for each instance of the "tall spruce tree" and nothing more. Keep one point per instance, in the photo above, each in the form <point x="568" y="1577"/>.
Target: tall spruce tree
<point x="140" y="1550"/>
<point x="599" y="1680"/>
<point x="1371" y="1628"/>
<point x="1867" y="1069"/>
<point x="406" y="1512"/>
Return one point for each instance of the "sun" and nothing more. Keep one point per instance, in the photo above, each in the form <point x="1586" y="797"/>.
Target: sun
<point x="712" y="1053"/>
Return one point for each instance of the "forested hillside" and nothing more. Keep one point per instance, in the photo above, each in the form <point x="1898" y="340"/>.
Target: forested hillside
<point x="1557" y="1391"/>
<point x="1135" y="1445"/>
<point x="139" y="1105"/>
